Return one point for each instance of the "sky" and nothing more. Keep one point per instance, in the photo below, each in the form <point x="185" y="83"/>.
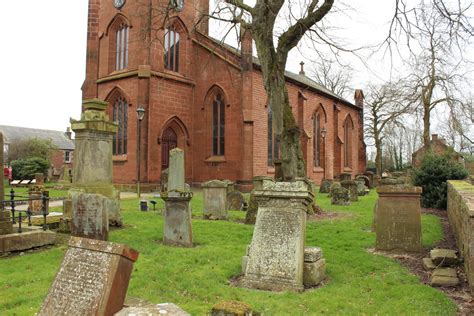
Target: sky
<point x="43" y="60"/>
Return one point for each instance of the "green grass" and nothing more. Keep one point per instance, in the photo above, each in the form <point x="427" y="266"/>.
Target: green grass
<point x="195" y="279"/>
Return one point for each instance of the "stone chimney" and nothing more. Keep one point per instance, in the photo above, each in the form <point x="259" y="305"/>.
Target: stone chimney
<point x="302" y="68"/>
<point x="434" y="137"/>
<point x="359" y="98"/>
<point x="68" y="133"/>
<point x="246" y="48"/>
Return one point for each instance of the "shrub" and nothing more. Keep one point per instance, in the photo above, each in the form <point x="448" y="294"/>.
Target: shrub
<point x="432" y="176"/>
<point x="29" y="148"/>
<point x="26" y="168"/>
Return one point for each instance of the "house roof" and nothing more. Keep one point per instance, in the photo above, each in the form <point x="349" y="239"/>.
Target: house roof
<point x="58" y="138"/>
<point x="301" y="79"/>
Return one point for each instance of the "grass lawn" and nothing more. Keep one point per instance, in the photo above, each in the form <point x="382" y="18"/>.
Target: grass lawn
<point x="197" y="278"/>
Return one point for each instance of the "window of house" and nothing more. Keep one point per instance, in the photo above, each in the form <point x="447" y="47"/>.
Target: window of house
<point x="171" y="44"/>
<point x="121" y="51"/>
<point x="273" y="148"/>
<point x="120" y="115"/>
<point x="218" y="126"/>
<point x="317" y="141"/>
<point x="347" y="142"/>
<point x="67" y="156"/>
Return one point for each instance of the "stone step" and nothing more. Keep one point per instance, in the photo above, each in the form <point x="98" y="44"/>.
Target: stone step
<point x="444" y="257"/>
<point x="444" y="277"/>
<point x="428" y="264"/>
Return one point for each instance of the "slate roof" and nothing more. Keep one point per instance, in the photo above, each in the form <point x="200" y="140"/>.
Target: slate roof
<point x="288" y="74"/>
<point x="58" y="138"/>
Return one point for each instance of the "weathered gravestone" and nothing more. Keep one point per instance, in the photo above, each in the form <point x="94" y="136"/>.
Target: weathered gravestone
<point x="6" y="224"/>
<point x="345" y="176"/>
<point x="361" y="188"/>
<point x="275" y="257"/>
<point x="92" y="170"/>
<point x="178" y="229"/>
<point x="92" y="280"/>
<point x="90" y="216"/>
<point x="398" y="218"/>
<point x="215" y="199"/>
<point x="235" y="201"/>
<point x="351" y="186"/>
<point x="325" y="186"/>
<point x="340" y="195"/>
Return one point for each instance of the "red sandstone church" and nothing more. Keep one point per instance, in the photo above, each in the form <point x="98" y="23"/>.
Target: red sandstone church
<point x="207" y="99"/>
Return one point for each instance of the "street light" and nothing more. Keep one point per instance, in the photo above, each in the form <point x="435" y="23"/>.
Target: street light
<point x="323" y="136"/>
<point x="140" y="115"/>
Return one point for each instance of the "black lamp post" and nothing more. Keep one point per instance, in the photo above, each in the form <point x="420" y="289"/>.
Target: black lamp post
<point x="140" y="115"/>
<point x="323" y="136"/>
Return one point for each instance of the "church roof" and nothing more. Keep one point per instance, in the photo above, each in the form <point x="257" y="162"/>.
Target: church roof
<point x="58" y="138"/>
<point x="301" y="79"/>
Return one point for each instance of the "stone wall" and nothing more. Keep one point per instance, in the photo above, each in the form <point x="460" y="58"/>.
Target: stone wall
<point x="461" y="218"/>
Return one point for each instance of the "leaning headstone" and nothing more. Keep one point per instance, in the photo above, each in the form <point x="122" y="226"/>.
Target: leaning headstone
<point x="235" y="201"/>
<point x="352" y="187"/>
<point x="215" y="199"/>
<point x="90" y="216"/>
<point x="92" y="280"/>
<point x="398" y="226"/>
<point x="325" y="186"/>
<point x="276" y="254"/>
<point x="177" y="216"/>
<point x="92" y="170"/>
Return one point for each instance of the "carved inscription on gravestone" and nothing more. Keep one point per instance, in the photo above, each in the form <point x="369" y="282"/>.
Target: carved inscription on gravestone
<point x="92" y="280"/>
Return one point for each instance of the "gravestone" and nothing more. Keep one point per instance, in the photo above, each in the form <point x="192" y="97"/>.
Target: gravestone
<point x="275" y="257"/>
<point x="345" y="176"/>
<point x="92" y="169"/>
<point x="164" y="180"/>
<point x="398" y="218"/>
<point x="6" y="224"/>
<point x="39" y="177"/>
<point x="215" y="199"/>
<point x="325" y="186"/>
<point x="351" y="186"/>
<point x="252" y="209"/>
<point x="361" y="188"/>
<point x="92" y="280"/>
<point x="235" y="201"/>
<point x="177" y="216"/>
<point x="364" y="179"/>
<point x="230" y="185"/>
<point x="90" y="216"/>
<point x="370" y="176"/>
<point x="340" y="196"/>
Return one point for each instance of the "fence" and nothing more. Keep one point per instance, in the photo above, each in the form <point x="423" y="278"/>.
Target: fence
<point x="12" y="201"/>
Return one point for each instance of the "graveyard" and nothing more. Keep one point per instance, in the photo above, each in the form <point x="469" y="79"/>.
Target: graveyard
<point x="358" y="281"/>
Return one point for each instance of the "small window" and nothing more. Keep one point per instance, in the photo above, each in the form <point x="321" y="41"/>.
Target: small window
<point x="218" y="126"/>
<point x="348" y="126"/>
<point x="171" y="44"/>
<point x="121" y="52"/>
<point x="273" y="148"/>
<point x="120" y="116"/>
<point x="67" y="156"/>
<point x="317" y="141"/>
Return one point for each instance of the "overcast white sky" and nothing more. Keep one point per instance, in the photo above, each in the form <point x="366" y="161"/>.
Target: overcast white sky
<point x="42" y="58"/>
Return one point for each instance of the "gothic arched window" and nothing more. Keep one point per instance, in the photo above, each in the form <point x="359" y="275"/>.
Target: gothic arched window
<point x="120" y="115"/>
<point x="317" y="141"/>
<point x="218" y="126"/>
<point x="121" y="47"/>
<point x="171" y="44"/>
<point x="348" y="126"/>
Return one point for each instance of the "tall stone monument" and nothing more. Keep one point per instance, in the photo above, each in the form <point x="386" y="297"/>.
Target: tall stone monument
<point x="92" y="171"/>
<point x="6" y="224"/>
<point x="92" y="280"/>
<point x="178" y="229"/>
<point x="276" y="253"/>
<point x="398" y="218"/>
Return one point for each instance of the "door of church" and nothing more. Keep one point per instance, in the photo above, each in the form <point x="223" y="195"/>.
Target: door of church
<point x="169" y="141"/>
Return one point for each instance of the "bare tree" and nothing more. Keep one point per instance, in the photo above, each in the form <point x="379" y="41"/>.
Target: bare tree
<point x="332" y="75"/>
<point x="384" y="106"/>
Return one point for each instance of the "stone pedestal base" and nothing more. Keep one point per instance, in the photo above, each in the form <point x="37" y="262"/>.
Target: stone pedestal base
<point x="178" y="229"/>
<point x="398" y="218"/>
<point x="275" y="257"/>
<point x="5" y="222"/>
<point x="215" y="199"/>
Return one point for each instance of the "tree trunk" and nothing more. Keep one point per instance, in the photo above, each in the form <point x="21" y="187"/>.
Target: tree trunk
<point x="426" y="127"/>
<point x="378" y="156"/>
